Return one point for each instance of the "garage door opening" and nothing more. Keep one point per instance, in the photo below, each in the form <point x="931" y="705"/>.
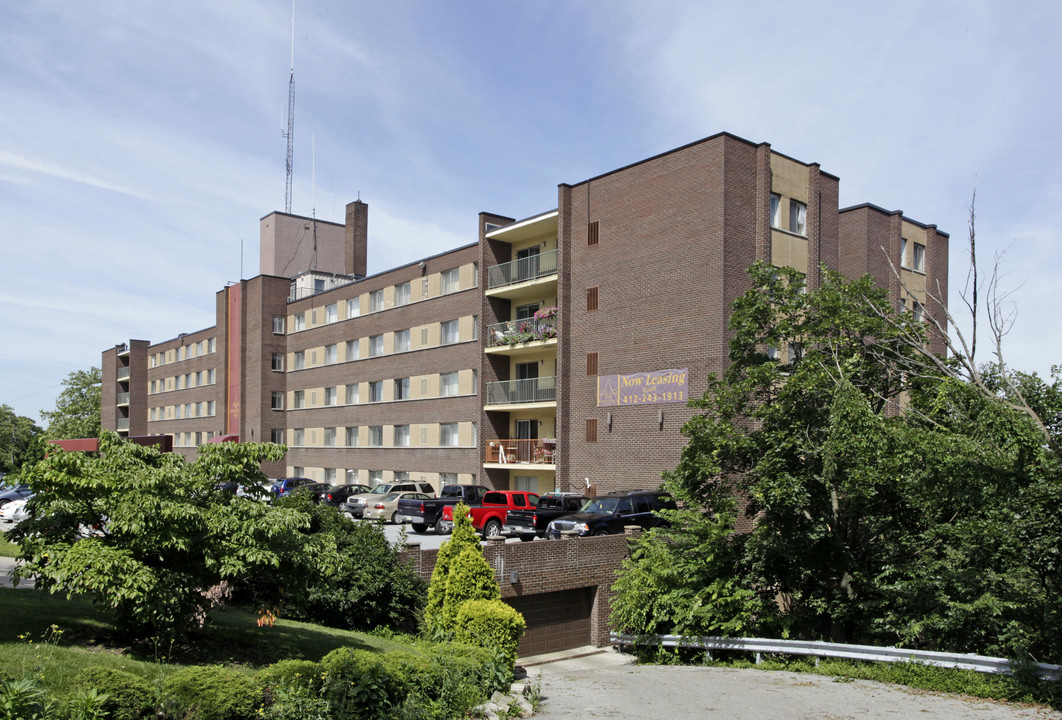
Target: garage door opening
<point x="555" y="621"/>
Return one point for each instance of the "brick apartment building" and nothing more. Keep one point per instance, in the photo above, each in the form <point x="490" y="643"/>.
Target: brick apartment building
<point x="554" y="349"/>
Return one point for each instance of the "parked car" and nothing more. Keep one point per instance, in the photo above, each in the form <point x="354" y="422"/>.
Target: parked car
<point x="424" y="514"/>
<point x="488" y="517"/>
<point x="259" y="491"/>
<point x="533" y="522"/>
<point x="283" y="486"/>
<point x="15" y="493"/>
<point x="608" y="514"/>
<point x="313" y="489"/>
<point x="14" y="512"/>
<point x="336" y="495"/>
<point x="385" y="508"/>
<point x="355" y="504"/>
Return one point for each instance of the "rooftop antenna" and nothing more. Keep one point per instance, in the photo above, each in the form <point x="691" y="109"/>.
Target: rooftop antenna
<point x="290" y="134"/>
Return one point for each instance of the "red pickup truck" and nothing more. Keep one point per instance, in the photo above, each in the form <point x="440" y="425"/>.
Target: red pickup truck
<point x="489" y="516"/>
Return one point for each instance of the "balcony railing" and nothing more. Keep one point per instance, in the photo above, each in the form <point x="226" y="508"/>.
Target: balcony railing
<point x="522" y="270"/>
<point x="123" y="373"/>
<point x="522" y="451"/>
<point x="123" y="399"/>
<point x="512" y="392"/>
<point x="123" y="423"/>
<point x="514" y="332"/>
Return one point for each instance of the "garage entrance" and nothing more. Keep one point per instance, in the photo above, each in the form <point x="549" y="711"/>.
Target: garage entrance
<point x="555" y="620"/>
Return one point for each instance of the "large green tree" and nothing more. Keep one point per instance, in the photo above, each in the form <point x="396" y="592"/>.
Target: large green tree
<point x="20" y="440"/>
<point x="77" y="409"/>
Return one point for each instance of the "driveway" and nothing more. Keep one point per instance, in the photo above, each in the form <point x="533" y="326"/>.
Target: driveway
<point x="606" y="685"/>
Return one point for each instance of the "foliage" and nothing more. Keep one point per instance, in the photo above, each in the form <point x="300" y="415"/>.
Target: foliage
<point x="470" y="578"/>
<point x="491" y="624"/>
<point x="21" y="441"/>
<point x="77" y="409"/>
<point x="463" y="537"/>
<point x="210" y="692"/>
<point x="21" y="699"/>
<point x="127" y="696"/>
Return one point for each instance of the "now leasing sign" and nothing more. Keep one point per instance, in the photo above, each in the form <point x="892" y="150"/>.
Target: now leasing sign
<point x="648" y="388"/>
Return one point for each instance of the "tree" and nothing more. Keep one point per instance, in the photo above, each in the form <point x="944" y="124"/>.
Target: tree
<point x="462" y="538"/>
<point x="77" y="409"/>
<point x="21" y="440"/>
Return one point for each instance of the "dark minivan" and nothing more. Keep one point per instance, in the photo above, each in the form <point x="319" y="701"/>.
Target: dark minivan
<point x="608" y="514"/>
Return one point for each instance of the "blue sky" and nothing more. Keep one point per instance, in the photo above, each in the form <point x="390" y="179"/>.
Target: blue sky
<point x="140" y="143"/>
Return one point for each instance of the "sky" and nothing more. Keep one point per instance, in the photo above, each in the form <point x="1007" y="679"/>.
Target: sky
<point x="141" y="142"/>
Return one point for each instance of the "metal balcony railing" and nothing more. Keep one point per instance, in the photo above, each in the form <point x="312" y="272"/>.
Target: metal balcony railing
<point x="513" y="332"/>
<point x="123" y="399"/>
<point x="532" y="390"/>
<point x="522" y="451"/>
<point x="522" y="270"/>
<point x="123" y="373"/>
<point x="123" y="423"/>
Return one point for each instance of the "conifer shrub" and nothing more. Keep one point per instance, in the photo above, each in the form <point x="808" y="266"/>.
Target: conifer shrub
<point x="129" y="696"/>
<point x="210" y="692"/>
<point x="463" y="537"/>
<point x="471" y="578"/>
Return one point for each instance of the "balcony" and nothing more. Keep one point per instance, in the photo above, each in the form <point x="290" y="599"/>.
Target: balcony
<point x="522" y="392"/>
<point x="123" y="399"/>
<point x="523" y="270"/>
<point x="511" y="333"/>
<point x="123" y="424"/>
<point x="123" y="373"/>
<point x="521" y="451"/>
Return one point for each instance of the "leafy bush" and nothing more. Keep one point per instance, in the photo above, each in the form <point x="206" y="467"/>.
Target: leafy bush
<point x="210" y="692"/>
<point x="129" y="696"/>
<point x="300" y="675"/>
<point x="470" y="578"/>
<point x="21" y="700"/>
<point x="491" y="624"/>
<point x="360" y="684"/>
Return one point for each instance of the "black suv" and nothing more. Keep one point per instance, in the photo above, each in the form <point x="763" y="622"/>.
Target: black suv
<point x="606" y="515"/>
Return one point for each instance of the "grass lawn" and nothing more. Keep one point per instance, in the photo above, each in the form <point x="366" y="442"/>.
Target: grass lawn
<point x="7" y="549"/>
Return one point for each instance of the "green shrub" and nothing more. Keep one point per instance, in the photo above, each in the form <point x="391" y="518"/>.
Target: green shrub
<point x="210" y="692"/>
<point x="21" y="700"/>
<point x="129" y="696"/>
<point x="361" y="684"/>
<point x="463" y="538"/>
<point x="297" y="675"/>
<point x="491" y="624"/>
<point x="471" y="578"/>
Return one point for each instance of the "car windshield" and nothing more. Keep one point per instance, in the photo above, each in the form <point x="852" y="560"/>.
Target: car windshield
<point x="601" y="506"/>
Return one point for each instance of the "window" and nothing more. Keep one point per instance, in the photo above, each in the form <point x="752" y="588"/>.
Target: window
<point x="331" y="354"/>
<point x="903" y="304"/>
<point x="276" y="435"/>
<point x="591" y="298"/>
<point x="592" y="236"/>
<point x="402" y="294"/>
<point x="447" y="478"/>
<point x="798" y="217"/>
<point x="776" y="211"/>
<point x="917" y="310"/>
<point x="376" y="391"/>
<point x="353" y="349"/>
<point x="375" y="435"/>
<point x="919" y="257"/>
<point x="903" y="253"/>
<point x="210" y="408"/>
<point x="278" y="362"/>
<point x="772" y="352"/>
<point x="298" y="437"/>
<point x="331" y="313"/>
<point x="330" y="437"/>
<point x="448" y="384"/>
<point x="591" y="363"/>
<point x="299" y="399"/>
<point x="210" y="376"/>
<point x="300" y="322"/>
<point x="375" y="477"/>
<point x="330" y="396"/>
<point x="376" y="345"/>
<point x="401" y="476"/>
<point x="300" y="360"/>
<point x="376" y="301"/>
<point x="352" y="394"/>
<point x="448" y="434"/>
<point x="449" y="281"/>
<point x="353" y="307"/>
<point x="448" y="332"/>
<point x="352" y="437"/>
<point x="330" y="476"/>
<point x="591" y="430"/>
<point x="180" y="382"/>
<point x="402" y="388"/>
<point x="277" y="402"/>
<point x="401" y="435"/>
<point x="796" y="352"/>
<point x="402" y="341"/>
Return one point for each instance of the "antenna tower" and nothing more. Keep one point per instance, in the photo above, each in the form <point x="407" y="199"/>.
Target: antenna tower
<point x="290" y="134"/>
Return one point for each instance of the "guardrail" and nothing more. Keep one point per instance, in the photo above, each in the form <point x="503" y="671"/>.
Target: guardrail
<point x="817" y="648"/>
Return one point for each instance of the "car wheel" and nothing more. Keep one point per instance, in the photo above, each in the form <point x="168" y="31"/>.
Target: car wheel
<point x="527" y="538"/>
<point x="439" y="529"/>
<point x="394" y="518"/>
<point x="420" y="528"/>
<point x="600" y="532"/>
<point x="492" y="529"/>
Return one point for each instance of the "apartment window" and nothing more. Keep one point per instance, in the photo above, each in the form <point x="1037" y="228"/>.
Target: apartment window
<point x="402" y="388"/>
<point x="277" y="401"/>
<point x="276" y="435"/>
<point x="180" y="382"/>
<point x="352" y="394"/>
<point x="772" y="352"/>
<point x="188" y="378"/>
<point x="401" y="435"/>
<point x="210" y="408"/>
<point x="591" y="430"/>
<point x="298" y="437"/>
<point x="903" y="304"/>
<point x="798" y="217"/>
<point x="330" y="396"/>
<point x="330" y="437"/>
<point x="447" y="479"/>
<point x="449" y="280"/>
<point x="919" y="257"/>
<point x="299" y="399"/>
<point x="300" y="360"/>
<point x="375" y="477"/>
<point x="376" y="391"/>
<point x="376" y="345"/>
<point x="180" y="353"/>
<point x="592" y="233"/>
<point x="375" y="435"/>
<point x="591" y="363"/>
<point x="353" y="307"/>
<point x="177" y="411"/>
<point x="300" y="322"/>
<point x="448" y="434"/>
<point x="448" y="332"/>
<point x="331" y="354"/>
<point x="353" y="349"/>
<point x="278" y="362"/>
<point x="903" y="253"/>
<point x="591" y="298"/>
<point x="352" y="477"/>
<point x="376" y="301"/>
<point x="917" y="310"/>
<point x="448" y="384"/>
<point x="331" y="313"/>
<point x="402" y="294"/>
<point x="352" y="437"/>
<point x="401" y="476"/>
<point x="330" y="476"/>
<point x="402" y="341"/>
<point x="297" y="471"/>
<point x="776" y="211"/>
<point x="210" y="376"/>
<point x="796" y="352"/>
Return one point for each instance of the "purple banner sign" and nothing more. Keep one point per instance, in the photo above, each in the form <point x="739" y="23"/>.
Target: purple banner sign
<point x="648" y="388"/>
